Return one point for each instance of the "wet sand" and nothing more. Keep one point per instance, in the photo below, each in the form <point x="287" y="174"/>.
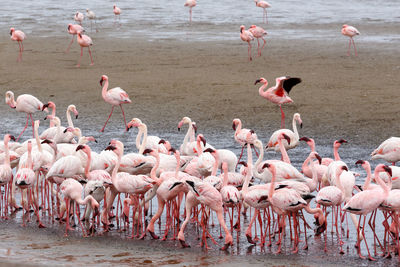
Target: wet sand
<point x="211" y="82"/>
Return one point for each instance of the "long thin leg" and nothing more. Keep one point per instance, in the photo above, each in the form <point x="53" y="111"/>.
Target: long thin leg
<point x="33" y="126"/>
<point x="258" y="47"/>
<point x="90" y="54"/>
<point x="20" y="52"/>
<point x="112" y="109"/>
<point x="190" y="15"/>
<point x="79" y="62"/>
<point x="26" y="125"/>
<point x="282" y="117"/>
<point x="263" y="44"/>
<point x="69" y="46"/>
<point x="249" y="51"/>
<point x="348" y="50"/>
<point x="355" y="50"/>
<point x="123" y="114"/>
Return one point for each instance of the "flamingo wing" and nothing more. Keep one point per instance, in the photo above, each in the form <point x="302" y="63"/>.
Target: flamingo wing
<point x="289" y="83"/>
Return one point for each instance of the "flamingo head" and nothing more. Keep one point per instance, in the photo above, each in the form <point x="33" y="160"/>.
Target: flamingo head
<point x="315" y="155"/>
<point x="284" y="136"/>
<point x="388" y="170"/>
<point x="114" y="6"/>
<point x="184" y="121"/>
<point x="173" y="150"/>
<point x="135" y="122"/>
<point x="297" y="117"/>
<point x="191" y="184"/>
<point x="10" y="99"/>
<point x="8" y="137"/>
<point x="261" y="80"/>
<point x="305" y="139"/>
<point x="200" y="138"/>
<point x="11" y="31"/>
<point x="73" y="109"/>
<point x="103" y="78"/>
<point x="344" y="26"/>
<point x="338" y="143"/>
<point x="235" y="123"/>
<point x="242" y="28"/>
<point x="243" y="163"/>
<point x="194" y="127"/>
<point x="365" y="164"/>
<point x="383" y="168"/>
<point x="81" y="147"/>
<point x="210" y="150"/>
<point x="258" y="144"/>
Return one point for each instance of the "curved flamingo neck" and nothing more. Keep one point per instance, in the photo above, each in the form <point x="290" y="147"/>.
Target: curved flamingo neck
<point x="36" y="131"/>
<point x="89" y="160"/>
<point x="114" y="173"/>
<point x="10" y="101"/>
<point x="249" y="170"/>
<point x="339" y="183"/>
<point x="294" y="125"/>
<point x="336" y="152"/>
<point x="178" y="163"/>
<point x="238" y="127"/>
<point x="262" y="88"/>
<point x="85" y="201"/>
<point x="272" y="185"/>
<point x="53" y="114"/>
<point x="379" y="181"/>
<point x="105" y="87"/>
<point x="199" y="147"/>
<point x="154" y="169"/>
<point x="369" y="176"/>
<point x="225" y="181"/>
<point x="30" y="163"/>
<point x="192" y="136"/>
<point x="187" y="136"/>
<point x="314" y="181"/>
<point x="7" y="152"/>
<point x="58" y="132"/>
<point x="216" y="163"/>
<point x="285" y="156"/>
<point x="259" y="160"/>
<point x="312" y="145"/>
<point x="143" y="131"/>
<point x="70" y="123"/>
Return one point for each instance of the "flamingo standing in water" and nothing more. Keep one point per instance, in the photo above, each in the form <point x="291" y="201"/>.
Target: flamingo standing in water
<point x="25" y="103"/>
<point x="190" y="4"/>
<point x="246" y="36"/>
<point x="84" y="41"/>
<point x="116" y="97"/>
<point x="19" y="36"/>
<point x="73" y="29"/>
<point x="92" y="16"/>
<point x="243" y="136"/>
<point x="293" y="135"/>
<point x="258" y="33"/>
<point x="117" y="12"/>
<point x="388" y="150"/>
<point x="350" y="31"/>
<point x="78" y="17"/>
<point x="278" y="94"/>
<point x="264" y="5"/>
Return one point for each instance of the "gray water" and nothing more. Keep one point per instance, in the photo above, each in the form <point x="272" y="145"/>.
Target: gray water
<point x="212" y="20"/>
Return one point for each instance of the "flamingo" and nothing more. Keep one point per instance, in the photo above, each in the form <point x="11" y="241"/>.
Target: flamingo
<point x="6" y="172"/>
<point x="84" y="41"/>
<point x="92" y="16"/>
<point x="190" y="4"/>
<point x="116" y="97"/>
<point x="242" y="135"/>
<point x="293" y="135"/>
<point x="388" y="150"/>
<point x="117" y="12"/>
<point x="78" y="17"/>
<point x="258" y="33"/>
<point x="189" y="137"/>
<point x="367" y="201"/>
<point x="350" y="31"/>
<point x="19" y="36"/>
<point x="246" y="36"/>
<point x="264" y="5"/>
<point x="278" y="94"/>
<point x="73" y="29"/>
<point x="72" y="190"/>
<point x="311" y="143"/>
<point x="25" y="103"/>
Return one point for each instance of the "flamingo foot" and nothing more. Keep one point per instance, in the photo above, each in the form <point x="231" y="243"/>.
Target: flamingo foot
<point x="226" y="246"/>
<point x="371" y="258"/>
<point x="184" y="244"/>
<point x="41" y="225"/>
<point x="341" y="251"/>
<point x="250" y="240"/>
<point x="153" y="235"/>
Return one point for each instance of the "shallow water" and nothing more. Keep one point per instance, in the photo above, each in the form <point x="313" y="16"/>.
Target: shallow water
<point x="212" y="20"/>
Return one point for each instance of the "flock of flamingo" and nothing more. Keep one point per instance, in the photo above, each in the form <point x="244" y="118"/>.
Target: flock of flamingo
<point x="55" y="168"/>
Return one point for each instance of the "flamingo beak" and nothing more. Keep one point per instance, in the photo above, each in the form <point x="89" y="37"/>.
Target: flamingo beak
<point x="360" y="162"/>
<point x="234" y="126"/>
<point x="388" y="170"/>
<point x="319" y="158"/>
<point x="257" y="81"/>
<point x="101" y="82"/>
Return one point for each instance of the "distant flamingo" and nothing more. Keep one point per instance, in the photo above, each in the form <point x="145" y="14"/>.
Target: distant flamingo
<point x="92" y="16"/>
<point x="278" y="94"/>
<point x="84" y="41"/>
<point x="190" y="4"/>
<point x="350" y="31"/>
<point x="264" y="5"/>
<point x="19" y="36"/>
<point x="246" y="36"/>
<point x="72" y="190"/>
<point x="78" y="17"/>
<point x="258" y="33"/>
<point x="117" y="12"/>
<point x="25" y="103"/>
<point x="116" y="97"/>
<point x="388" y="150"/>
<point x="73" y="29"/>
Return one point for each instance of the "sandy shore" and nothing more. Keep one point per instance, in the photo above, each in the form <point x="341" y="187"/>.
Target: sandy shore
<point x="212" y="82"/>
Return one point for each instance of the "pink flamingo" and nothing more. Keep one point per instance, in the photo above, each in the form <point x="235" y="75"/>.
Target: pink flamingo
<point x="311" y="143"/>
<point x="367" y="201"/>
<point x="25" y="103"/>
<point x="72" y="190"/>
<point x="293" y="135"/>
<point x="94" y="175"/>
<point x="78" y="17"/>
<point x="246" y="36"/>
<point x="388" y="150"/>
<point x="189" y="137"/>
<point x="264" y="5"/>
<point x="242" y="135"/>
<point x="350" y="31"/>
<point x="73" y="29"/>
<point x="190" y="4"/>
<point x="116" y="97"/>
<point x="84" y="41"/>
<point x="6" y="174"/>
<point x="258" y="33"/>
<point x="117" y="12"/>
<point x="278" y="94"/>
<point x="19" y="36"/>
